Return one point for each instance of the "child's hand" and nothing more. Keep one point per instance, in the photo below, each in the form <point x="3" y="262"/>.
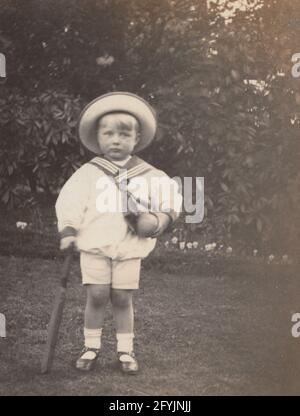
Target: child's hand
<point x="67" y="242"/>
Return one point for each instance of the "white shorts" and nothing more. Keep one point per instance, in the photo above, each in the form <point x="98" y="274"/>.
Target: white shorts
<point x="101" y="270"/>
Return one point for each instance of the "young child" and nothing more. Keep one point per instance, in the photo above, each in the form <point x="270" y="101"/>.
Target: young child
<point x="114" y="126"/>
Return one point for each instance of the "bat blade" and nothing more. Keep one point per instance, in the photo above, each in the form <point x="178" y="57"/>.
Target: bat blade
<point x="56" y="316"/>
<point x="53" y="329"/>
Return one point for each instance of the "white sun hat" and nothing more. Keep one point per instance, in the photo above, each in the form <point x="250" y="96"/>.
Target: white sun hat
<point x="114" y="102"/>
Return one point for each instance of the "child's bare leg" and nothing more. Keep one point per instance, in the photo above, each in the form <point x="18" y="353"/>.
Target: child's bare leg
<point x="97" y="299"/>
<point x="124" y="318"/>
<point x="123" y="309"/>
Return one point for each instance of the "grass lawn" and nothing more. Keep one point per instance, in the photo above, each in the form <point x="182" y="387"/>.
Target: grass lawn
<point x="226" y="331"/>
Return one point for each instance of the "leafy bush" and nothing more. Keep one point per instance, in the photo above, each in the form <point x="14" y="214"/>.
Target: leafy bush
<point x="39" y="148"/>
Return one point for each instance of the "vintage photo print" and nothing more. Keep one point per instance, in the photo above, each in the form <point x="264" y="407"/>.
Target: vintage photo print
<point x="149" y="199"/>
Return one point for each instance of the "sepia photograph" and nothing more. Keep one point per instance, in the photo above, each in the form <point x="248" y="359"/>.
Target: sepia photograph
<point x="149" y="200"/>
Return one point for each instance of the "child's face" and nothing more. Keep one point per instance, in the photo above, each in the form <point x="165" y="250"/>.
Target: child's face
<point x="117" y="135"/>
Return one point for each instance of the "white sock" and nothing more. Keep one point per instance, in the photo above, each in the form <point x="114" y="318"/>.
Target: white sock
<point x="125" y="342"/>
<point x="92" y="337"/>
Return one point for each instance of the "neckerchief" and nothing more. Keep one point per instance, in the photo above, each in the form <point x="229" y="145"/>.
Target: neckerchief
<point x="134" y="167"/>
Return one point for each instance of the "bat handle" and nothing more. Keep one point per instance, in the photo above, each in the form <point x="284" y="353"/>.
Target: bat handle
<point x="66" y="266"/>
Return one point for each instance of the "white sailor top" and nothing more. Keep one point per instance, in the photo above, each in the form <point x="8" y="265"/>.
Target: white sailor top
<point x="90" y="206"/>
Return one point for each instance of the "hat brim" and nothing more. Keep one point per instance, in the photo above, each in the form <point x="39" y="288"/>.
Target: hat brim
<point x="117" y="102"/>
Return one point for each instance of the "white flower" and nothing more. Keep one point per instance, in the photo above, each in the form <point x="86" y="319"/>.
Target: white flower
<point x="214" y="245"/>
<point x="21" y="224"/>
<point x="229" y="250"/>
<point x="167" y="244"/>
<point x="182" y="245"/>
<point x="105" y="60"/>
<point x="195" y="244"/>
<point x="189" y="245"/>
<point x="209" y="247"/>
<point x="271" y="257"/>
<point x="255" y="252"/>
<point x="174" y="240"/>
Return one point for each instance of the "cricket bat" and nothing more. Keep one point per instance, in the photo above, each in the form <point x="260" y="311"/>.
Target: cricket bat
<point x="56" y="316"/>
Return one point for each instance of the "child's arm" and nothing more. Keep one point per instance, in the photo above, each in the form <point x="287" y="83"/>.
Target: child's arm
<point x="70" y="206"/>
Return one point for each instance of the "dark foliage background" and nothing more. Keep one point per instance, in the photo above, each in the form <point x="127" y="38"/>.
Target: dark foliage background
<point x="228" y="105"/>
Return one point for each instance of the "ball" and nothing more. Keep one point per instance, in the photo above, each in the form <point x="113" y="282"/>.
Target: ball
<point x="146" y="224"/>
